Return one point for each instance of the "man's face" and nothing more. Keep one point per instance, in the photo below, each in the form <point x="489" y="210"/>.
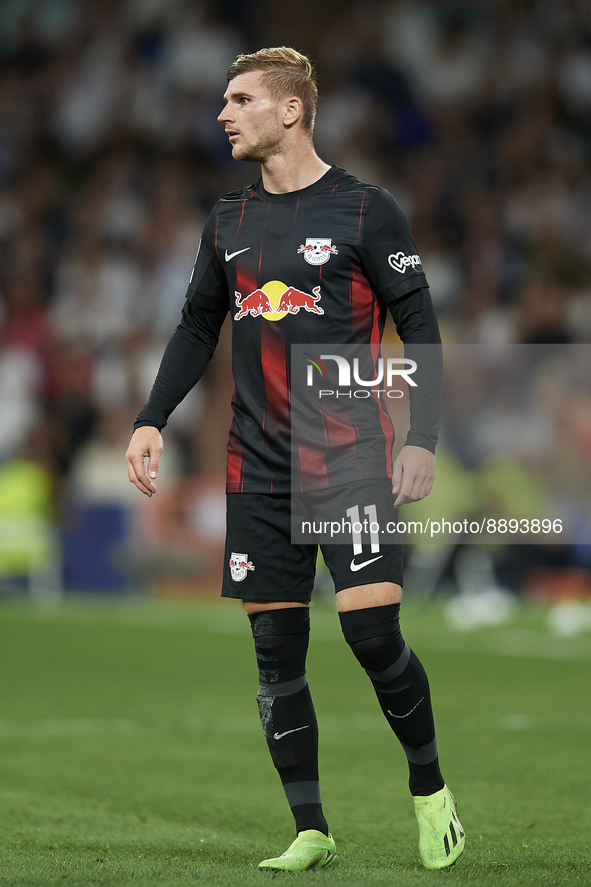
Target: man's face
<point x="252" y="118"/>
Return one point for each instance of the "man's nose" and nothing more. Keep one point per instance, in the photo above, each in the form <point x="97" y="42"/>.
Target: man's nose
<point x="223" y="115"/>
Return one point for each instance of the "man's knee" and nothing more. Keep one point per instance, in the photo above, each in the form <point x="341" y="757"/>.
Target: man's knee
<point x="281" y="644"/>
<point x="373" y="633"/>
<point x="361" y="597"/>
<point x="252" y="607"/>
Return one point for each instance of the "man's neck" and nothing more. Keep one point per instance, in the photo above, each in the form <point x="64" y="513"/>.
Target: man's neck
<point x="293" y="170"/>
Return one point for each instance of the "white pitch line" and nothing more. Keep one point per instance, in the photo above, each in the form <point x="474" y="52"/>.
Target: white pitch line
<point x="330" y="724"/>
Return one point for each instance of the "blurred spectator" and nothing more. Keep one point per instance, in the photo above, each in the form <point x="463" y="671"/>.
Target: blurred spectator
<point x="19" y="398"/>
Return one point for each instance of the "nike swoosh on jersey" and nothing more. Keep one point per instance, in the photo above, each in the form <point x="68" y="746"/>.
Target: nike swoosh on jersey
<point x="229" y="256"/>
<point x="354" y="567"/>
<point x="281" y="735"/>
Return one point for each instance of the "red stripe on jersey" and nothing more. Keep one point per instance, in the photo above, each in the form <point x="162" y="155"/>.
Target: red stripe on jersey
<point x="340" y="441"/>
<point x="360" y="216"/>
<point x="274" y="364"/>
<point x="377" y="328"/>
<point x="276" y="424"/>
<point x="234" y="465"/>
<point x="313" y="474"/>
<point x="217" y="225"/>
<point x="385" y="421"/>
<point x="297" y="207"/>
<point x="362" y="303"/>
<point x="336" y="186"/>
<point x="365" y="319"/>
<point x="240" y="220"/>
<point x="311" y="455"/>
<point x="339" y="430"/>
<point x="245" y="284"/>
<point x="261" y="252"/>
<point x="388" y="430"/>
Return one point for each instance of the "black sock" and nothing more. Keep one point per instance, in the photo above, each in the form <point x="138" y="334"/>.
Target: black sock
<point x="401" y="686"/>
<point x="286" y="710"/>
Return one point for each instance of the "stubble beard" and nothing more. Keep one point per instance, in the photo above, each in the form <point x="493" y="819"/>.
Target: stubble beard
<point x="268" y="145"/>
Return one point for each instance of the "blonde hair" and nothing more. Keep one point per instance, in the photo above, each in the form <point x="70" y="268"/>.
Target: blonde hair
<point x="286" y="72"/>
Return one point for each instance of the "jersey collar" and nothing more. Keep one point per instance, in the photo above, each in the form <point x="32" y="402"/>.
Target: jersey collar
<point x="329" y="177"/>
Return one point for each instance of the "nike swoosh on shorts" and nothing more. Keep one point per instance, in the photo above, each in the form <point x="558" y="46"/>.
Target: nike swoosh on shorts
<point x="354" y="567"/>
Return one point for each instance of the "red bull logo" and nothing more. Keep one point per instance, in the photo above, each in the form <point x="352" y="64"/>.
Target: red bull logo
<point x="274" y="300"/>
<point x="256" y="303"/>
<point x="318" y="250"/>
<point x="292" y="300"/>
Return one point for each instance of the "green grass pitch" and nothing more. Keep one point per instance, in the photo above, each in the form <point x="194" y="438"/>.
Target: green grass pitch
<point x="131" y="754"/>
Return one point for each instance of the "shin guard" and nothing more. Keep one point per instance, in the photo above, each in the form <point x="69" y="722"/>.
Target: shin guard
<point x="401" y="686"/>
<point x="286" y="710"/>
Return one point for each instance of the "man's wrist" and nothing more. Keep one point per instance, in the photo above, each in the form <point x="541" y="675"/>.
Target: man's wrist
<point x="147" y="423"/>
<point x="421" y="440"/>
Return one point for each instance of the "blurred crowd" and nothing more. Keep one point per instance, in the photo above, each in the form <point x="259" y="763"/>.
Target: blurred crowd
<point x="475" y="115"/>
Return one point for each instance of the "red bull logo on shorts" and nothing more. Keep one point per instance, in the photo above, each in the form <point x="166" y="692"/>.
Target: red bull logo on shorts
<point x="275" y="300"/>
<point x="318" y="250"/>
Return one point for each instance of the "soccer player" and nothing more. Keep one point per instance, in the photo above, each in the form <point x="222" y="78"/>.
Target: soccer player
<point x="307" y="254"/>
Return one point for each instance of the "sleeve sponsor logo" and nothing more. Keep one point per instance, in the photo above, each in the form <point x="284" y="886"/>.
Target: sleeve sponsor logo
<point x="400" y="262"/>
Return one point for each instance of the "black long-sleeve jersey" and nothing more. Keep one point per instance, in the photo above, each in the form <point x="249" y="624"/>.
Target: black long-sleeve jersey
<point x="322" y="264"/>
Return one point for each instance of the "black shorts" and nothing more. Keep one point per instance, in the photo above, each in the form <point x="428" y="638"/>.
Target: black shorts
<point x="261" y="563"/>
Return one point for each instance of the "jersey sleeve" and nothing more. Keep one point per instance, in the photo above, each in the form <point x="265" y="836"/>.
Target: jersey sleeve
<point x="208" y="287"/>
<point x="183" y="363"/>
<point x="394" y="270"/>
<point x="388" y="252"/>
<point x="416" y="325"/>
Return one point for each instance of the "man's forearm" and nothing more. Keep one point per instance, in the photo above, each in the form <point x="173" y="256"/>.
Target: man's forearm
<point x="425" y="399"/>
<point x="417" y="326"/>
<point x="183" y="363"/>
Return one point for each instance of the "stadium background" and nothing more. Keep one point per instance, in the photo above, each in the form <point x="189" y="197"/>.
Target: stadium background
<point x="475" y="115"/>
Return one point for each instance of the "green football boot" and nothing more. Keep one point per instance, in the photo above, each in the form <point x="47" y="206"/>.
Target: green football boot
<point x="441" y="836"/>
<point x="310" y="850"/>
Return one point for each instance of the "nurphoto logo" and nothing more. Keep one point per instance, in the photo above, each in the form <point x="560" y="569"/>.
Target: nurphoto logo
<point x="385" y="372"/>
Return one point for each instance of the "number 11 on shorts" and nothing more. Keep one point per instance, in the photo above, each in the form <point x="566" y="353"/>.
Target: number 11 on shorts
<point x="357" y="527"/>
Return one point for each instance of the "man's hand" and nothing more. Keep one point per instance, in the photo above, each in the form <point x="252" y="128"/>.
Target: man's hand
<point x="413" y="474"/>
<point x="146" y="443"/>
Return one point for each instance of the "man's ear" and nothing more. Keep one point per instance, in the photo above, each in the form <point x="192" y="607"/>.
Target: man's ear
<point x="293" y="110"/>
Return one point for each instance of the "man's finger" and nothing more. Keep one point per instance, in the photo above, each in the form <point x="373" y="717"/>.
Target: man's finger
<point x="413" y="490"/>
<point x="403" y="497"/>
<point x="146" y="443"/>
<point x="396" y="477"/>
<point x="137" y="475"/>
<point x="143" y="477"/>
<point x="153" y="465"/>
